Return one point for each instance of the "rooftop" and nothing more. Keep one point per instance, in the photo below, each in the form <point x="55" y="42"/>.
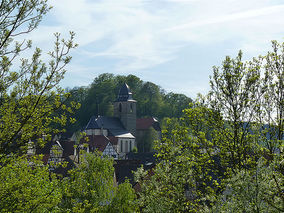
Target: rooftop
<point x="112" y="124"/>
<point x="124" y="94"/>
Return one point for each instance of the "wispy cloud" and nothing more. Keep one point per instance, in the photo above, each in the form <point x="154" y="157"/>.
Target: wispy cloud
<point x="142" y="34"/>
<point x="229" y="17"/>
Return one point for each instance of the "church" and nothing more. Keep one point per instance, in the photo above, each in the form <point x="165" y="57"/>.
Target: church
<point x="116" y="136"/>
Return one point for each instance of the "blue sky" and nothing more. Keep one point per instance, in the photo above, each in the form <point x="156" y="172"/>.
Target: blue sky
<point x="172" y="43"/>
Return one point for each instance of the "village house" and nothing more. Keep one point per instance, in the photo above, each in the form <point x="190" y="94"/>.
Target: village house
<point x="115" y="137"/>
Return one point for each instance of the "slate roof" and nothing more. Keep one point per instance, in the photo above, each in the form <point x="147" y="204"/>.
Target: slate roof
<point x="114" y="140"/>
<point x="112" y="124"/>
<point x="124" y="94"/>
<point x="146" y="123"/>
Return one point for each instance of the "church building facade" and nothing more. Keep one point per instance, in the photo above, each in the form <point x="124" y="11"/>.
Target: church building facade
<point x="118" y="131"/>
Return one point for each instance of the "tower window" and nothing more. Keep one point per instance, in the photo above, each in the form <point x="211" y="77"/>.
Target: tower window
<point x="120" y="107"/>
<point x="131" y="107"/>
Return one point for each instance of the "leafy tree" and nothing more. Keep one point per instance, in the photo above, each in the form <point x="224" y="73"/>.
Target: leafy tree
<point x="91" y="188"/>
<point x="30" y="95"/>
<point x="218" y="142"/>
<point x="174" y="104"/>
<point x="149" y="99"/>
<point x="16" y="18"/>
<point x="185" y="179"/>
<point x="26" y="185"/>
<point x="257" y="190"/>
<point x="271" y="111"/>
<point x="124" y="199"/>
<point x="98" y="98"/>
<point x="146" y="140"/>
<point x="234" y="89"/>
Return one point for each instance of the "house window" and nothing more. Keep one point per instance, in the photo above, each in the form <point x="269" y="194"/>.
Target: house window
<point x="130" y="146"/>
<point x="131" y="107"/>
<point x="121" y="146"/>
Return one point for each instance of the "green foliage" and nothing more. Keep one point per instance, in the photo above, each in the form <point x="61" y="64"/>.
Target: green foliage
<point x="26" y="185"/>
<point x="214" y="149"/>
<point x="18" y="17"/>
<point x="146" y="139"/>
<point x="234" y="94"/>
<point x="209" y="160"/>
<point x="135" y="149"/>
<point x="97" y="99"/>
<point x="30" y="95"/>
<point x="124" y="199"/>
<point x="92" y="188"/>
<point x="174" y="104"/>
<point x="257" y="190"/>
<point x="270" y="108"/>
<point x="90" y="185"/>
<point x="183" y="180"/>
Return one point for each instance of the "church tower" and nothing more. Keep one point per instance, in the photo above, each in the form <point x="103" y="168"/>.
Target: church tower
<point x="125" y="109"/>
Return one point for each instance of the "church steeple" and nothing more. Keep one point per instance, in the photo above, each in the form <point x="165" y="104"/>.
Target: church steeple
<point x="124" y="94"/>
<point x="125" y="108"/>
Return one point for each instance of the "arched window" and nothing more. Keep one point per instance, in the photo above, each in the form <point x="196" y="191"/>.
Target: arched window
<point x="120" y="107"/>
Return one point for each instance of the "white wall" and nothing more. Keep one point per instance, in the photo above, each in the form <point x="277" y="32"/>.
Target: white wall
<point x="96" y="132"/>
<point x="124" y="145"/>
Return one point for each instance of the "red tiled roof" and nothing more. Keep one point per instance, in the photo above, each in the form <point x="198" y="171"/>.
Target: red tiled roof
<point x="113" y="140"/>
<point x="145" y="123"/>
<point x="97" y="141"/>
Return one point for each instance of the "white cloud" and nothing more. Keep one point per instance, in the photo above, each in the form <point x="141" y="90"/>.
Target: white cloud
<point x="219" y="19"/>
<point x="139" y="31"/>
<point x="141" y="34"/>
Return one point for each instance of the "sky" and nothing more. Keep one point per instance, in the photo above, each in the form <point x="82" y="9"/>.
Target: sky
<point x="172" y="43"/>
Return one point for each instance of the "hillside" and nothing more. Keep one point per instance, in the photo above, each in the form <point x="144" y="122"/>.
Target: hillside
<point x="97" y="99"/>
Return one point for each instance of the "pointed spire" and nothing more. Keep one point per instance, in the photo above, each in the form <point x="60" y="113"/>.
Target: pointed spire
<point x="124" y="94"/>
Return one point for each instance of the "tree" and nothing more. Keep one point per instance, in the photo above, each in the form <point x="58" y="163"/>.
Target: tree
<point x="26" y="185"/>
<point x="257" y="190"/>
<point x="271" y="106"/>
<point x="234" y="90"/>
<point x="16" y="18"/>
<point x="187" y="175"/>
<point x="216" y="145"/>
<point x="146" y="140"/>
<point x="30" y="95"/>
<point x="175" y="103"/>
<point x="92" y="188"/>
<point x="98" y="98"/>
